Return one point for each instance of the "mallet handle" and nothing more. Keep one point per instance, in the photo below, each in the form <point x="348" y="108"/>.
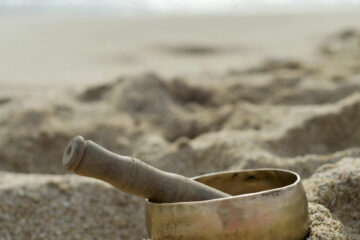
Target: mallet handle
<point x="133" y="176"/>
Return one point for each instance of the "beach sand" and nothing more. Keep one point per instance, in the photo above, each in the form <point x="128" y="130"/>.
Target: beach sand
<point x="187" y="94"/>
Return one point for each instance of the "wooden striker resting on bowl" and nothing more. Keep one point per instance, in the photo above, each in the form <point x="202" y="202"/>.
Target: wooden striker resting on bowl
<point x="133" y="176"/>
<point x="267" y="204"/>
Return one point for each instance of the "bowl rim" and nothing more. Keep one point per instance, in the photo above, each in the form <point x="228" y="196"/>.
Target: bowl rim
<point x="247" y="195"/>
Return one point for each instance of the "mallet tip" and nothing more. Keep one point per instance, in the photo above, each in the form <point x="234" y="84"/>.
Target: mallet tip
<point x="73" y="153"/>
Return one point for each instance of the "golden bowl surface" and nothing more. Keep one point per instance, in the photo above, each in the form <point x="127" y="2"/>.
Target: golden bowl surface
<point x="266" y="204"/>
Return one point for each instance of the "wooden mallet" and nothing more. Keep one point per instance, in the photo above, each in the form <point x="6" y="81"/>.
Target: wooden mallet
<point x="133" y="176"/>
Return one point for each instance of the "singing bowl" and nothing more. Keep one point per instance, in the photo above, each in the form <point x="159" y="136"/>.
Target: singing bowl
<point x="265" y="204"/>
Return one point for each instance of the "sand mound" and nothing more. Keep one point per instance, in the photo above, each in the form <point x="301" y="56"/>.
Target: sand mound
<point x="315" y="96"/>
<point x="35" y="138"/>
<point x="344" y="42"/>
<point x="66" y="207"/>
<point x="172" y="108"/>
<point x="324" y="133"/>
<point x="323" y="225"/>
<point x="337" y="186"/>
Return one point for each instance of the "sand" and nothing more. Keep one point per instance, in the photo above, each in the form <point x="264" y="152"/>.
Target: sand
<point x="295" y="111"/>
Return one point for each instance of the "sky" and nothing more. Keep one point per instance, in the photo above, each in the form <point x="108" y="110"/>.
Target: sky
<point x="192" y="6"/>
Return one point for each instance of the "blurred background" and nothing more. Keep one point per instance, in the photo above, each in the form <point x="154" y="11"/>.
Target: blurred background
<point x="191" y="87"/>
<point x="73" y="42"/>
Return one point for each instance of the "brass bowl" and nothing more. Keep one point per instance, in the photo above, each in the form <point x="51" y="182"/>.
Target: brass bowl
<point x="266" y="204"/>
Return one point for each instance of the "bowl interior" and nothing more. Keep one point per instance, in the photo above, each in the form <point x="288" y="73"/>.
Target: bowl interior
<point x="249" y="181"/>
